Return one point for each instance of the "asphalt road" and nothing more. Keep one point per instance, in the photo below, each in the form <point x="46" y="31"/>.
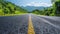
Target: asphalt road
<point x="14" y="24"/>
<point x="46" y="24"/>
<point x="19" y="24"/>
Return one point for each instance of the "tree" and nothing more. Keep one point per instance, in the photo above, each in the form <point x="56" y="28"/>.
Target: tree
<point x="52" y="1"/>
<point x="56" y="8"/>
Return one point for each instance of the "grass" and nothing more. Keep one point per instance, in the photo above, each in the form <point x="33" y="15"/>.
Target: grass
<point x="12" y="14"/>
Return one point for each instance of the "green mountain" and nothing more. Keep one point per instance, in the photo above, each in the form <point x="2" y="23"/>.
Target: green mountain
<point x="31" y="8"/>
<point x="10" y="8"/>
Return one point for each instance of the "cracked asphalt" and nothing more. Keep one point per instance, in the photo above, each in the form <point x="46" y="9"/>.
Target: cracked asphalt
<point x="19" y="24"/>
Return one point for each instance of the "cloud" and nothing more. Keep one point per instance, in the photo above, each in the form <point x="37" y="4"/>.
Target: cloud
<point x="38" y="4"/>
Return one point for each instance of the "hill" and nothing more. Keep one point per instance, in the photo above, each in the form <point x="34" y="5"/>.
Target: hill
<point x="10" y="8"/>
<point x="31" y="8"/>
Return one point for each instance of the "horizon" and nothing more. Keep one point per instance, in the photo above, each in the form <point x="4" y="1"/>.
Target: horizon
<point x="44" y="3"/>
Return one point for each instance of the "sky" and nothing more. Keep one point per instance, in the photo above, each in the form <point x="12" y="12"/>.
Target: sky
<point x="45" y="3"/>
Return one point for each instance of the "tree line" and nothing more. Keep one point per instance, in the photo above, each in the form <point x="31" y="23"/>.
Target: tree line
<point x="50" y="11"/>
<point x="10" y="8"/>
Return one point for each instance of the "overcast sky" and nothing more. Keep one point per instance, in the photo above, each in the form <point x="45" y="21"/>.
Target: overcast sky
<point x="45" y="3"/>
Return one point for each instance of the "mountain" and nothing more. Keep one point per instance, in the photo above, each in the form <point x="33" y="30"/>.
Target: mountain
<point x="10" y="8"/>
<point x="31" y="8"/>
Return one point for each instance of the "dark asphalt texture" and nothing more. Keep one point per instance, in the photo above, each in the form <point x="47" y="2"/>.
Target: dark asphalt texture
<point x="46" y="24"/>
<point x="19" y="24"/>
<point x="14" y="24"/>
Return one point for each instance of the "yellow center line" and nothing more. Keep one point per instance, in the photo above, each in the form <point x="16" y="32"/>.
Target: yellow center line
<point x="30" y="26"/>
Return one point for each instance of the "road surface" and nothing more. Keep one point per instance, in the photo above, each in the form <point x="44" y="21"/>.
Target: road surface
<point x="29" y="24"/>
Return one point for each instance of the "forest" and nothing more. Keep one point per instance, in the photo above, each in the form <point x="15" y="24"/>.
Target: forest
<point x="7" y="8"/>
<point x="51" y="11"/>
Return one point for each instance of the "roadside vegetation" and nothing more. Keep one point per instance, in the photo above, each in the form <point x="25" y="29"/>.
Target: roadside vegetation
<point x="50" y="11"/>
<point x="8" y="8"/>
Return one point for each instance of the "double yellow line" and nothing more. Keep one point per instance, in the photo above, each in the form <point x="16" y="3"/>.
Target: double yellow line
<point x="30" y="26"/>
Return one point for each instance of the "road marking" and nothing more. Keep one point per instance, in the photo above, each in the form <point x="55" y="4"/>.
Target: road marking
<point x="30" y="26"/>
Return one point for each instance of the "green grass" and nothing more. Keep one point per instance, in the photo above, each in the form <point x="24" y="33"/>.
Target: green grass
<point x="12" y="14"/>
<point x="10" y="9"/>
